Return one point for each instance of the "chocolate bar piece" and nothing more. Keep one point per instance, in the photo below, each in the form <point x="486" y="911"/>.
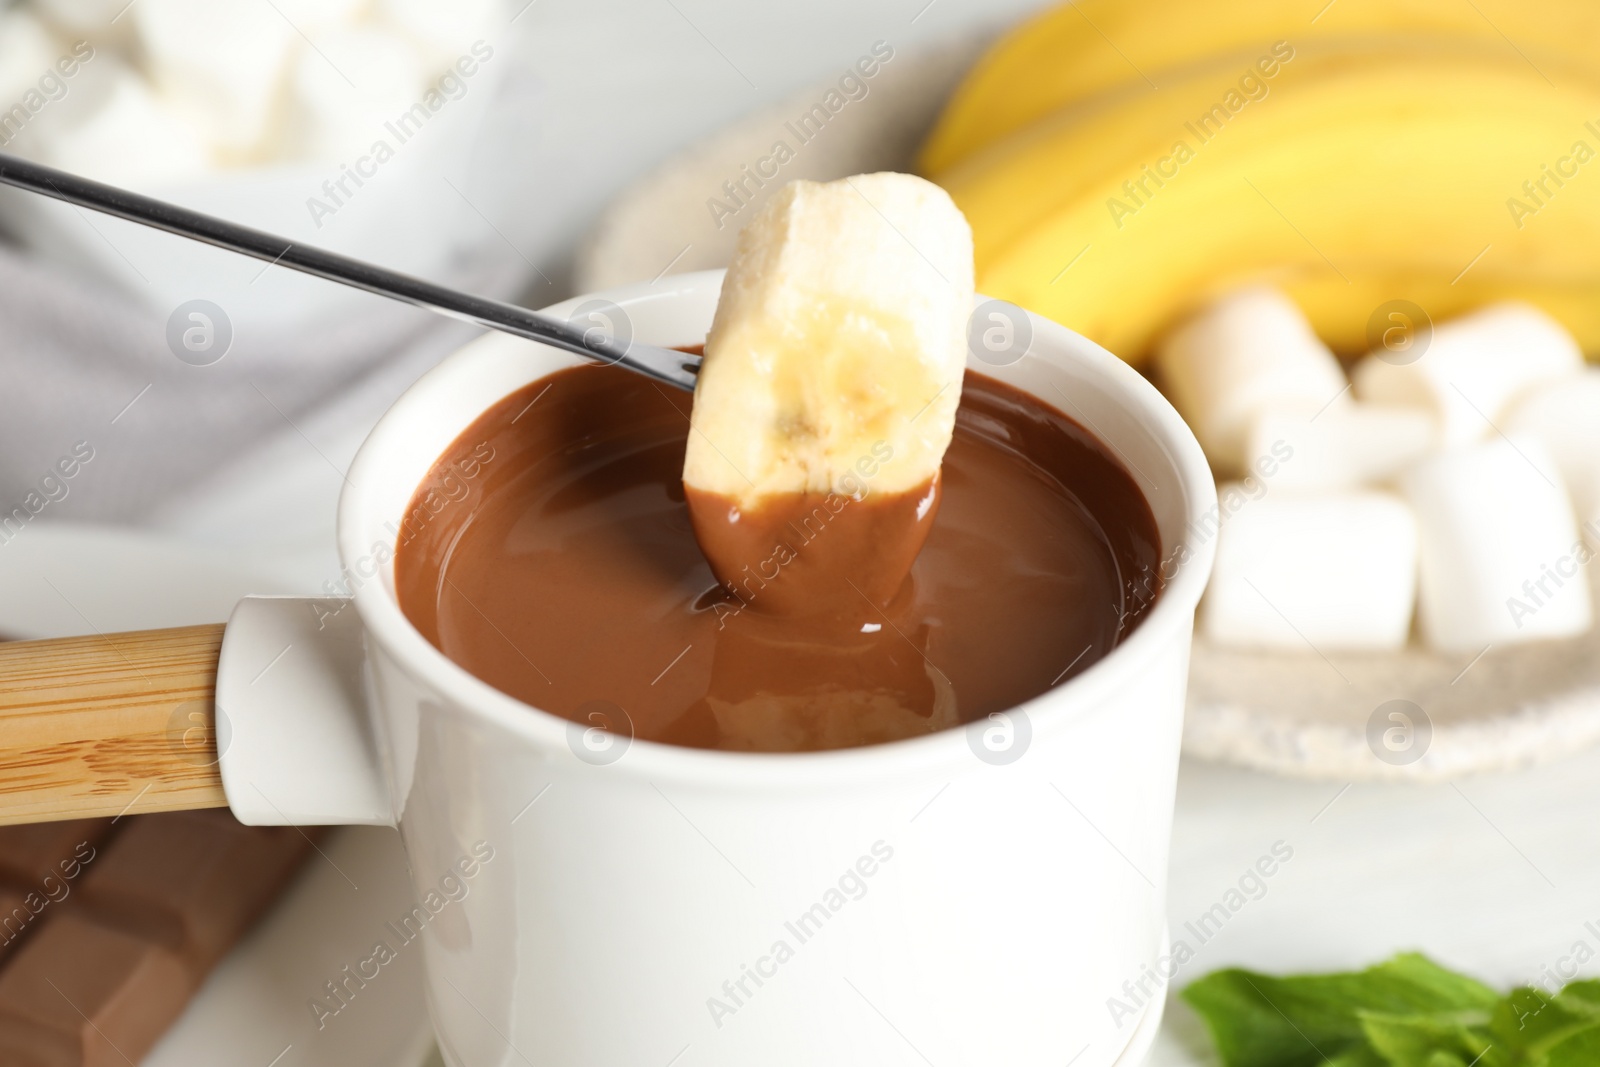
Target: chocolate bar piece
<point x="15" y="918"/>
<point x="28" y="854"/>
<point x="193" y="881"/>
<point x="107" y="927"/>
<point x="84" y="995"/>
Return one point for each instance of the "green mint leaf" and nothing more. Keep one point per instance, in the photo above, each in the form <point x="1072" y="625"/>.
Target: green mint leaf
<point x="1582" y="997"/>
<point x="1581" y="1049"/>
<point x="1257" y="1022"/>
<point x="1436" y="988"/>
<point x="1357" y="1056"/>
<point x="1529" y="1022"/>
<point x="1434" y="1040"/>
<point x="1260" y="1021"/>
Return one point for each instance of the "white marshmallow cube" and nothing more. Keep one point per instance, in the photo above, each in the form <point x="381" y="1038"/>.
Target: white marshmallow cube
<point x="312" y="17"/>
<point x="1564" y="416"/>
<point x="1474" y="368"/>
<point x="1335" y="572"/>
<point x="128" y="136"/>
<point x="84" y="16"/>
<point x="1346" y="446"/>
<point x="1248" y="353"/>
<point x="223" y="63"/>
<point x="1500" y="558"/>
<point x="27" y="51"/>
<point x="445" y="31"/>
<point x="335" y="120"/>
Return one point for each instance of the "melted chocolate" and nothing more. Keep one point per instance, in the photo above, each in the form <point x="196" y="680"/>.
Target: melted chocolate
<point x="551" y="552"/>
<point x="776" y="560"/>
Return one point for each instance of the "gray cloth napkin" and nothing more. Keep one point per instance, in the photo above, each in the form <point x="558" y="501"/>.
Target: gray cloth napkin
<point x="100" y="421"/>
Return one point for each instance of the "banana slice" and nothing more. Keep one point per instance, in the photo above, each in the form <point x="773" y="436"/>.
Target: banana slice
<point x="829" y="390"/>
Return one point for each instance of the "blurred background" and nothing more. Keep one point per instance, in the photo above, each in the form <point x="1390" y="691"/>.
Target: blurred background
<point x="471" y="143"/>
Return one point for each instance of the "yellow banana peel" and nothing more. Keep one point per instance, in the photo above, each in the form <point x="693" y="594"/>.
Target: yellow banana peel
<point x="1089" y="47"/>
<point x="1388" y="173"/>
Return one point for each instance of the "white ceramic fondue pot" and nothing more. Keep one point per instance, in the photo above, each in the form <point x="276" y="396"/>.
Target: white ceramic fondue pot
<point x="971" y="897"/>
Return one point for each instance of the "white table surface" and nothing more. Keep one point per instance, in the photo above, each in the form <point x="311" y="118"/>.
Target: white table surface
<point x="1496" y="876"/>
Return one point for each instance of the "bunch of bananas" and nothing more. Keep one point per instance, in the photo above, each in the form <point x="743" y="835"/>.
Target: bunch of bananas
<point x="1123" y="162"/>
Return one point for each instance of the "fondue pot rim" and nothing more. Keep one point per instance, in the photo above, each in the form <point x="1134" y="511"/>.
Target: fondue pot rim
<point x="376" y="494"/>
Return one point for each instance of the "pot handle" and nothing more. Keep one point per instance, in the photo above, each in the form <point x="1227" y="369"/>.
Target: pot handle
<point x="94" y="726"/>
<point x="266" y="716"/>
<point x="295" y="741"/>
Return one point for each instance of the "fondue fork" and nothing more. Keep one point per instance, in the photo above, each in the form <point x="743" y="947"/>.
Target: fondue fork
<point x="664" y="365"/>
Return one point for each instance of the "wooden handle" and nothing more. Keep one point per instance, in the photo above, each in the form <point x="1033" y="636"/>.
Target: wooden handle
<point x="109" y="725"/>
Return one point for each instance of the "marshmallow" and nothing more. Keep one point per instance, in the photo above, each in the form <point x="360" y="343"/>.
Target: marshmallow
<point x="1564" y="416"/>
<point x="222" y="63"/>
<point x="1247" y="353"/>
<point x="1336" y="571"/>
<point x="83" y="16"/>
<point x="128" y="137"/>
<point x="1346" y="446"/>
<point x="27" y="51"/>
<point x="312" y="17"/>
<point x="1501" y="561"/>
<point x="444" y="32"/>
<point x="333" y="118"/>
<point x="1474" y="368"/>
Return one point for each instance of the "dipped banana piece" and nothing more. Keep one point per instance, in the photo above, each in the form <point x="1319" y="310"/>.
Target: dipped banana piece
<point x="828" y="393"/>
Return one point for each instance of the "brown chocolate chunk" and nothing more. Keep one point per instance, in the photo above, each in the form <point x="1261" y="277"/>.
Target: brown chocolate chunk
<point x="17" y="919"/>
<point x="192" y="881"/>
<point x="108" y="926"/>
<point x="83" y="995"/>
<point x="59" y="849"/>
